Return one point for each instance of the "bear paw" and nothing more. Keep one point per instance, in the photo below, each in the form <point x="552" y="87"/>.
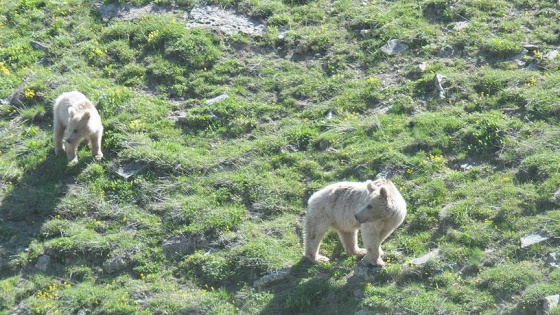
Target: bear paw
<point x="98" y="157"/>
<point x="318" y="259"/>
<point x="360" y="252"/>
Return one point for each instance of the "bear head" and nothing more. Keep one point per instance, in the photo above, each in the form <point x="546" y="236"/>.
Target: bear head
<point x="377" y="204"/>
<point x="78" y="126"/>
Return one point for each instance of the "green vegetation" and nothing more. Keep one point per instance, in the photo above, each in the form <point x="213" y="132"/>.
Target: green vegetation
<point x="219" y="190"/>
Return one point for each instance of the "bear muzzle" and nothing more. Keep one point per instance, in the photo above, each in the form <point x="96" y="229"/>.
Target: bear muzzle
<point x="360" y="217"/>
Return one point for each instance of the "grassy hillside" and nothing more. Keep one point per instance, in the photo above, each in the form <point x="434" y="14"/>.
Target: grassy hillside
<point x="198" y="199"/>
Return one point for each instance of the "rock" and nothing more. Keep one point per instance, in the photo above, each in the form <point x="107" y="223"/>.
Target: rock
<point x="550" y="302"/>
<point x="129" y="170"/>
<point x="446" y="52"/>
<point x="519" y="58"/>
<point x="180" y="116"/>
<point x="117" y="263"/>
<point x="438" y="81"/>
<point x="531" y="47"/>
<point x="532" y="238"/>
<point x="394" y="47"/>
<point x="184" y="244"/>
<point x="366" y="271"/>
<point x="226" y="21"/>
<point x="272" y="277"/>
<point x="422" y="66"/>
<point x="218" y="98"/>
<point x="282" y="35"/>
<point x="551" y="55"/>
<point x="43" y="262"/>
<point x="466" y="166"/>
<point x="39" y="46"/>
<point x="553" y="260"/>
<point x="364" y="32"/>
<point x="128" y="12"/>
<point x="420" y="261"/>
<point x="557" y="197"/>
<point x="460" y="25"/>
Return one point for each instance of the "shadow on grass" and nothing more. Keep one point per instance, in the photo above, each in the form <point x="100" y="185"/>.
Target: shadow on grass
<point x="31" y="202"/>
<point x="305" y="291"/>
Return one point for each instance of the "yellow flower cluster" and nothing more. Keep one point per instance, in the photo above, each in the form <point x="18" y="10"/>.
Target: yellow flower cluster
<point x="29" y="93"/>
<point x="3" y="69"/>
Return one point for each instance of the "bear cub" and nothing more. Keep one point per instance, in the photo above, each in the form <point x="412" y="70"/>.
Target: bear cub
<point x="375" y="207"/>
<point x="75" y="119"/>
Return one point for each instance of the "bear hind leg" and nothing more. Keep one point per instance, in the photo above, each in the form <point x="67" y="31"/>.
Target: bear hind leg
<point x="58" y="138"/>
<point x="350" y="242"/>
<point x="313" y="238"/>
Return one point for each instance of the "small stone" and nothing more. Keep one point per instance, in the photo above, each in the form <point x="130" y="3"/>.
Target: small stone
<point x="394" y="47"/>
<point x="272" y="277"/>
<point x="557" y="197"/>
<point x="531" y="47"/>
<point x="550" y="302"/>
<point x="553" y="260"/>
<point x="129" y="170"/>
<point x="551" y="55"/>
<point x="422" y="66"/>
<point x="218" y="98"/>
<point x="39" y="46"/>
<point x="466" y="166"/>
<point x="282" y="35"/>
<point x="43" y="262"/>
<point x="531" y="239"/>
<point x="460" y="25"/>
<point x="433" y="254"/>
<point x="438" y="81"/>
<point x="366" y="271"/>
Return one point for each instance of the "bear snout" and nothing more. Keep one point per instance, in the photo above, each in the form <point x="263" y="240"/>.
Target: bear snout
<point x="68" y="140"/>
<point x="361" y="220"/>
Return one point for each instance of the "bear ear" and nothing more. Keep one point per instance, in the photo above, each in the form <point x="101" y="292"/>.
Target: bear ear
<point x="85" y="116"/>
<point x="370" y="186"/>
<point x="383" y="192"/>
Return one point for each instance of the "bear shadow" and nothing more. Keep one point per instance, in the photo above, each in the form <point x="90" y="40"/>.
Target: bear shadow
<point x="30" y="203"/>
<point x="306" y="291"/>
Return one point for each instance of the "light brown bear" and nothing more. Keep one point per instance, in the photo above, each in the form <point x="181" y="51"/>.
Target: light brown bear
<point x="375" y="206"/>
<point x="75" y="119"/>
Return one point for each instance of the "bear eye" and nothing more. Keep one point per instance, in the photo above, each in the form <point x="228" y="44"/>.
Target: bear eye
<point x="75" y="130"/>
<point x="369" y="206"/>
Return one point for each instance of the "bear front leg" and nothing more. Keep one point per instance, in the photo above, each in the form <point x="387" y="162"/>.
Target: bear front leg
<point x="372" y="242"/>
<point x="58" y="131"/>
<point x="313" y="238"/>
<point x="72" y="152"/>
<point x="350" y="242"/>
<point x="95" y="141"/>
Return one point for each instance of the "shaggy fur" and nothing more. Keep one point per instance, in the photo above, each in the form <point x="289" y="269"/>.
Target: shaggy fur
<point x="75" y="119"/>
<point x="375" y="206"/>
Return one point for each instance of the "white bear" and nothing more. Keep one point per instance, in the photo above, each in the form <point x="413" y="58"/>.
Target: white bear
<point x="75" y="119"/>
<point x="377" y="207"/>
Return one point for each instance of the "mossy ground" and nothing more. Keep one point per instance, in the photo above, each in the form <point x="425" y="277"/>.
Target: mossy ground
<point x="221" y="189"/>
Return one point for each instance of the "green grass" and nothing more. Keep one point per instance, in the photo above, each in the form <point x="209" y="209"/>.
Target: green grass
<point x="220" y="193"/>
